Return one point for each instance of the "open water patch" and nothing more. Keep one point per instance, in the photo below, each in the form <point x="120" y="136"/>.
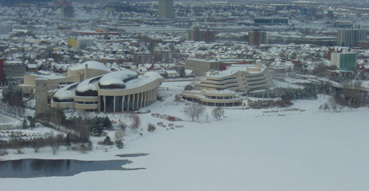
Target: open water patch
<point x="132" y="155"/>
<point x="31" y="168"/>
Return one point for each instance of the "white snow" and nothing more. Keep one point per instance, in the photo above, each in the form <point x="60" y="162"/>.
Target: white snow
<point x="64" y="93"/>
<point x="85" y="85"/>
<point x="301" y="149"/>
<point x="117" y="77"/>
<point x="152" y="74"/>
<point x="90" y="64"/>
<point x="250" y="68"/>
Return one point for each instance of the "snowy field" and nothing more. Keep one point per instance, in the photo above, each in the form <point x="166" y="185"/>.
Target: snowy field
<point x="8" y="122"/>
<point x="5" y="119"/>
<point x="298" y="149"/>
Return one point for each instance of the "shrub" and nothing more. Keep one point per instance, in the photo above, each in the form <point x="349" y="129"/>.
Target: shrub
<point x="269" y="103"/>
<point x="171" y="118"/>
<point x="3" y="152"/>
<point x="119" y="135"/>
<point x="119" y="144"/>
<point x="107" y="141"/>
<point x="151" y="127"/>
<point x="82" y="147"/>
<point x="188" y="87"/>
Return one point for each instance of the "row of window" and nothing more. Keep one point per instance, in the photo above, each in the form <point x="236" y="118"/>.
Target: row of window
<point x="81" y="102"/>
<point x="250" y="77"/>
<point x="255" y="80"/>
<point x="219" y="97"/>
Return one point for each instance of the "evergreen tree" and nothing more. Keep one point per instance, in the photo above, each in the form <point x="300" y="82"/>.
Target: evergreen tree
<point x="13" y="95"/>
<point x="107" y="141"/>
<point x="32" y="123"/>
<point x="25" y="124"/>
<point x="68" y="141"/>
<point x="119" y="144"/>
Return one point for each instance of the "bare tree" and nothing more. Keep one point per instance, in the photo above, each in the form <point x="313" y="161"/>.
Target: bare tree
<point x="194" y="110"/>
<point x="200" y="110"/>
<point x="119" y="134"/>
<point x="351" y="94"/>
<point x="218" y="113"/>
<point x="57" y="116"/>
<point x="55" y="142"/>
<point x="36" y="144"/>
<point x="136" y="122"/>
<point x="190" y="110"/>
<point x="16" y="141"/>
<point x="122" y="125"/>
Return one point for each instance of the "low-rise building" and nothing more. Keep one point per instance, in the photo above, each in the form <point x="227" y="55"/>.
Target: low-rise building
<point x="219" y="88"/>
<point x="117" y="91"/>
<point x="75" y="74"/>
<point x="212" y="98"/>
<point x="237" y="78"/>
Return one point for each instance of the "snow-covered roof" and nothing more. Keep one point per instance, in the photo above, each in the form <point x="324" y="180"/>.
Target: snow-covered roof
<point x="50" y="77"/>
<point x="152" y="74"/>
<point x="91" y="65"/>
<point x="32" y="66"/>
<point x="66" y="93"/>
<point x="87" y="85"/>
<point x="188" y="71"/>
<point x="142" y="80"/>
<point x="250" y="68"/>
<point x="172" y="72"/>
<point x="117" y="79"/>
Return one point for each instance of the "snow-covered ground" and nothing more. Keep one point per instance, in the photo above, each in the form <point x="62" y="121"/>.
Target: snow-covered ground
<point x="295" y="149"/>
<point x="6" y="119"/>
<point x="8" y="122"/>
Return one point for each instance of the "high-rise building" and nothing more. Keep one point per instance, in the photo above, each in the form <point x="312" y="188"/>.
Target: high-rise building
<point x="344" y="60"/>
<point x="257" y="37"/>
<point x="41" y="96"/>
<point x="166" y="9"/>
<point x="311" y="11"/>
<point x="67" y="11"/>
<point x="200" y="66"/>
<point x="143" y="58"/>
<point x="2" y="68"/>
<point x="351" y="37"/>
<point x="330" y="14"/>
<point x="197" y="35"/>
<point x="14" y="69"/>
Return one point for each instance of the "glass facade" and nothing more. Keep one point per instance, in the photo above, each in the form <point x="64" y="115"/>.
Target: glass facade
<point x="109" y="103"/>
<point x="118" y="103"/>
<point x="102" y="108"/>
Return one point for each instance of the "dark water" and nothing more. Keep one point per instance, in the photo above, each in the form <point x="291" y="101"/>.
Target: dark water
<point x="30" y="168"/>
<point x="132" y="155"/>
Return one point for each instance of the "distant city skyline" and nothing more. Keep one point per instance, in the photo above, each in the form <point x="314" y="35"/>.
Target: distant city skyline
<point x="240" y="1"/>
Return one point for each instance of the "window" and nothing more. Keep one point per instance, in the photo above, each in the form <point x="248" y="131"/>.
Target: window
<point x="102" y="103"/>
<point x="109" y="103"/>
<point x="118" y="103"/>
